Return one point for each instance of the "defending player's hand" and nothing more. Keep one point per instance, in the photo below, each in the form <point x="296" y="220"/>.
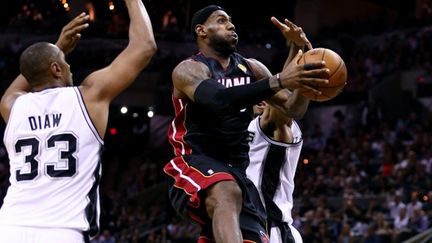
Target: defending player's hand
<point x="71" y="33"/>
<point x="304" y="77"/>
<point x="292" y="32"/>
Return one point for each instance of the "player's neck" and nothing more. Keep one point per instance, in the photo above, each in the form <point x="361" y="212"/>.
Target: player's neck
<point x="211" y="53"/>
<point x="47" y="85"/>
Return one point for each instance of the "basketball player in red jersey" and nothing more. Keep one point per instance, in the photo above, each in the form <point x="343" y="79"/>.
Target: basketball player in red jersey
<point x="214" y="92"/>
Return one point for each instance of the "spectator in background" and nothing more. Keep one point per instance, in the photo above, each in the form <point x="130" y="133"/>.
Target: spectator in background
<point x="345" y="235"/>
<point x="418" y="222"/>
<point x="371" y="113"/>
<point x="414" y="204"/>
<point x="400" y="224"/>
<point x="395" y="204"/>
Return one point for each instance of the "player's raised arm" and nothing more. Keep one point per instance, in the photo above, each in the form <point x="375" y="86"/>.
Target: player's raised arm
<point x="292" y="33"/>
<point x="68" y="39"/>
<point x="295" y="37"/>
<point x="105" y="84"/>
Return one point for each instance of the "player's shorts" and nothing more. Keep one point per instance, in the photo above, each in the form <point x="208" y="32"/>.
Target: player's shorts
<point x="285" y="233"/>
<point x="23" y="234"/>
<point x="190" y="175"/>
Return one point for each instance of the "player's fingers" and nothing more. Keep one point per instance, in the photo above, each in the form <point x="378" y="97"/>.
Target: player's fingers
<point x="277" y="23"/>
<point x="312" y="82"/>
<point x="77" y="29"/>
<point x="308" y="44"/>
<point x="317" y="73"/>
<point x="82" y="16"/>
<point x="313" y="65"/>
<point x="298" y="56"/>
<point x="78" y="20"/>
<point x="310" y="88"/>
<point x="74" y="21"/>
<point x="80" y="28"/>
<point x="81" y="19"/>
<point x="290" y="24"/>
<point x="76" y="38"/>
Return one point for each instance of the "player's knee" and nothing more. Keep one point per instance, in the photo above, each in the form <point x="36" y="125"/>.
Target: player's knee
<point x="225" y="195"/>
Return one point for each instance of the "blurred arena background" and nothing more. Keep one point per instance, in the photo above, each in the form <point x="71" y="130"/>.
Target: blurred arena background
<point x="365" y="174"/>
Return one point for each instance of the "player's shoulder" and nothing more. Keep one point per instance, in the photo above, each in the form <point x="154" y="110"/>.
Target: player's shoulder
<point x="259" y="69"/>
<point x="254" y="62"/>
<point x="190" y="62"/>
<point x="7" y="102"/>
<point x="190" y="66"/>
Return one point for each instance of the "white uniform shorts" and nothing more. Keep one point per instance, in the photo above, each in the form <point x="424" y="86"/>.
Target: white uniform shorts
<point x="275" y="235"/>
<point x="22" y="234"/>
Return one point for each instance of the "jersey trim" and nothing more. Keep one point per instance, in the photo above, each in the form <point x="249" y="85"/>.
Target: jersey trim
<point x="191" y="180"/>
<point x="87" y="116"/>
<point x="271" y="141"/>
<point x="178" y="129"/>
<point x="92" y="210"/>
<point x="273" y="161"/>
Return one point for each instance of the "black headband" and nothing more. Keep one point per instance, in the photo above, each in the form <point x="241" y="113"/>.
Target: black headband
<point x="201" y="16"/>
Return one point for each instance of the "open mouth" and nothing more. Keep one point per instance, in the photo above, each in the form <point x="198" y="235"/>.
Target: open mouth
<point x="234" y="35"/>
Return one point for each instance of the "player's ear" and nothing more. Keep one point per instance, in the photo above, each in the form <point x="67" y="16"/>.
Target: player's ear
<point x="55" y="70"/>
<point x="200" y="30"/>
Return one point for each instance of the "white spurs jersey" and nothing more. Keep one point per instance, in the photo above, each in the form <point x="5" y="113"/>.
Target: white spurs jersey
<point x="272" y="169"/>
<point x="54" y="153"/>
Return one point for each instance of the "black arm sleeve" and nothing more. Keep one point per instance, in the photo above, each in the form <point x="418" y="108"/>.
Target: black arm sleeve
<point x="215" y="96"/>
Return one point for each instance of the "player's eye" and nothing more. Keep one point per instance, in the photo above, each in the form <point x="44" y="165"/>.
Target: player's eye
<point x="221" y="21"/>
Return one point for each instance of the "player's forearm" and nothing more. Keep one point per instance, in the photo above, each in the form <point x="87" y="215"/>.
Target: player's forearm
<point x="141" y="36"/>
<point x="20" y="84"/>
<point x="293" y="50"/>
<point x="214" y="96"/>
<point x="295" y="105"/>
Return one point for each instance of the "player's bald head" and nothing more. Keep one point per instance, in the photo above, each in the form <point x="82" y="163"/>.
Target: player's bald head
<point x="35" y="61"/>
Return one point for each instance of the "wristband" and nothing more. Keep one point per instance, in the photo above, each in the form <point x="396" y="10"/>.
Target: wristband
<point x="279" y="81"/>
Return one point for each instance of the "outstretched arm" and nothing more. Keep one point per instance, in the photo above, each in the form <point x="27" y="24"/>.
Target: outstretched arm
<point x="105" y="84"/>
<point x="67" y="41"/>
<point x="290" y="103"/>
<point x="295" y="37"/>
<point x="100" y="87"/>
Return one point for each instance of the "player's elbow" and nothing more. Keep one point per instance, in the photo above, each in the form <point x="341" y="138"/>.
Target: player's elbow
<point x="143" y="52"/>
<point x="149" y="49"/>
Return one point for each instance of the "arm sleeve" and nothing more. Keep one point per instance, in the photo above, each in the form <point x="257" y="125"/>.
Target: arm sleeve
<point x="215" y="96"/>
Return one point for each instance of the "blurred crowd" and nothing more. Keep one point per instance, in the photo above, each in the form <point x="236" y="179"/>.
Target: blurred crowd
<point x="366" y="182"/>
<point x="366" y="179"/>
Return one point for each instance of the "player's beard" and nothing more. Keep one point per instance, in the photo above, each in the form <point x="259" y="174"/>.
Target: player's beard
<point x="223" y="46"/>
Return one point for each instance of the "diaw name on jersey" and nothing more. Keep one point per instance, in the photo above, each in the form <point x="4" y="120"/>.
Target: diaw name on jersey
<point x="44" y="121"/>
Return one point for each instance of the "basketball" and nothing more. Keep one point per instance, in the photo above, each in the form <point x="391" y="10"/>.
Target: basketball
<point x="338" y="73"/>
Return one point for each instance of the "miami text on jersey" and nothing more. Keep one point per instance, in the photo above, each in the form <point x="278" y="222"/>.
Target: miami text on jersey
<point x="229" y="82"/>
